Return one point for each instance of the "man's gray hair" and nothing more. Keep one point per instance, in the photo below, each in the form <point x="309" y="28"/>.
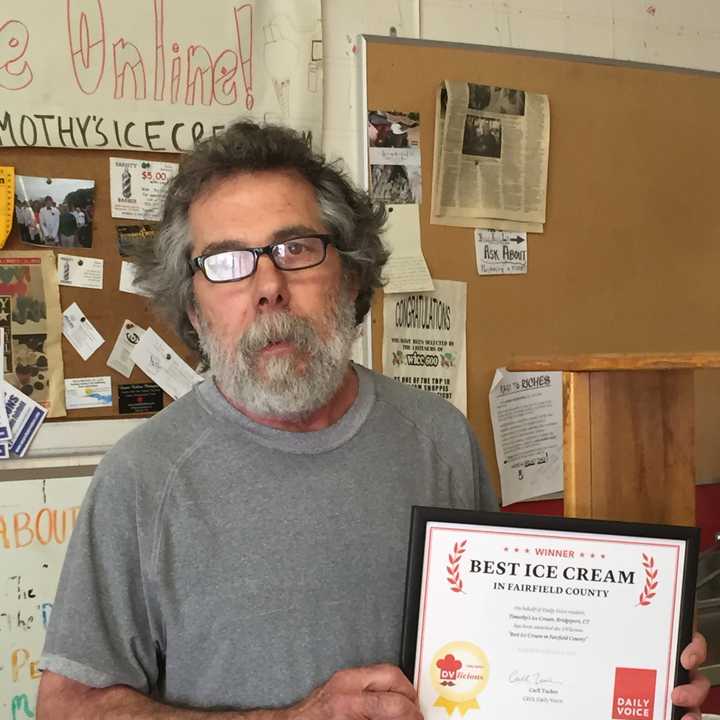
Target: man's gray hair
<point x="355" y="222"/>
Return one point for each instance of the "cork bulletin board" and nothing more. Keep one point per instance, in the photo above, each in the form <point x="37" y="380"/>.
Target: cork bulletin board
<point x="107" y="308"/>
<point x="630" y="257"/>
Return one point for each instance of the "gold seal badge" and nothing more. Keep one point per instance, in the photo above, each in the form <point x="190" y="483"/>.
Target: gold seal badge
<point x="459" y="672"/>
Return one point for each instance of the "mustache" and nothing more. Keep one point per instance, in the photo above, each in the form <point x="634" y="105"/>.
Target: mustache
<point x="278" y="327"/>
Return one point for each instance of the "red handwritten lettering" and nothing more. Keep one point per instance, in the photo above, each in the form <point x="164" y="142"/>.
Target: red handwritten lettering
<point x="86" y="36"/>
<point x="244" y="30"/>
<point x="199" y="67"/>
<point x="15" y="73"/>
<point x="127" y="58"/>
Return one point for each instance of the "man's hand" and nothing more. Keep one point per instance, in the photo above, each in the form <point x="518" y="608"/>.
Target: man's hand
<point x="377" y="692"/>
<point x="693" y="695"/>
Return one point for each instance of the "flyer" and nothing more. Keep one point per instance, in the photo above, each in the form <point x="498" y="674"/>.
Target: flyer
<point x="526" y="410"/>
<point x="138" y="187"/>
<point x="25" y="417"/>
<point x="424" y="340"/>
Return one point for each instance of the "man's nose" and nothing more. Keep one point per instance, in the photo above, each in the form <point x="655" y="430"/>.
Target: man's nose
<point x="271" y="288"/>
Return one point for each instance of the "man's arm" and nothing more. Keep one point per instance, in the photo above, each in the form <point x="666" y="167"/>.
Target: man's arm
<point x="377" y="692"/>
<point x="60" y="698"/>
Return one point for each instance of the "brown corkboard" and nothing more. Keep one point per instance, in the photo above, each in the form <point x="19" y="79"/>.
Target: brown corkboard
<point x="630" y="256"/>
<point x="107" y="308"/>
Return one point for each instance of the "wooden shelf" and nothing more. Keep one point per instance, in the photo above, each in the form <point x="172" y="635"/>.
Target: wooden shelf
<point x="616" y="361"/>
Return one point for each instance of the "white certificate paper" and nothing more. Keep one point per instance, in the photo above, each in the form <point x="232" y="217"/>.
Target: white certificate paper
<point x="525" y="622"/>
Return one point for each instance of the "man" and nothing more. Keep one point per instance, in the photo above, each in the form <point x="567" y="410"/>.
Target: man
<point x="50" y="221"/>
<point x="243" y="556"/>
<point x="67" y="227"/>
<point x="21" y="220"/>
<point x="31" y="224"/>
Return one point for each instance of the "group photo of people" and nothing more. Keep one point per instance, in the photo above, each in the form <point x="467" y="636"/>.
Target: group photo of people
<point x="482" y="136"/>
<point x="492" y="99"/>
<point x="55" y="212"/>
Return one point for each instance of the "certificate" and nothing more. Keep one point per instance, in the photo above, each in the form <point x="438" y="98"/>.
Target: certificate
<point x="513" y="616"/>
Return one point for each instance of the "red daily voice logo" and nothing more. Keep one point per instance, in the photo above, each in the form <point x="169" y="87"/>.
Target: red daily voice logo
<point x="634" y="694"/>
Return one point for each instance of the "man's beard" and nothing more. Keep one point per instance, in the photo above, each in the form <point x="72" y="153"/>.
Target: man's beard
<point x="289" y="386"/>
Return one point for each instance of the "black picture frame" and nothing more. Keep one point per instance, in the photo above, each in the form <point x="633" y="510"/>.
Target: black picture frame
<point x="421" y="516"/>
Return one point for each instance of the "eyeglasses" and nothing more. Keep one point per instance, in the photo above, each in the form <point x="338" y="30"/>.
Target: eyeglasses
<point x="298" y="253"/>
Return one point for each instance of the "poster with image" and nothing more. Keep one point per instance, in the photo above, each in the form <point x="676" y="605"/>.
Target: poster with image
<point x="394" y="154"/>
<point x="30" y="317"/>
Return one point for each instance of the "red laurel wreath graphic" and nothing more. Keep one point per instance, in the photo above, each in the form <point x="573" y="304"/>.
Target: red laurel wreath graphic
<point x="453" y="568"/>
<point x="651" y="582"/>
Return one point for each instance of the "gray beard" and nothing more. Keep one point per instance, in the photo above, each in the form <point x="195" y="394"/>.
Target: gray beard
<point x="281" y="389"/>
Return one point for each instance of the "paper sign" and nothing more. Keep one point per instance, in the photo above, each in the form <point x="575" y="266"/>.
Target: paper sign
<point x="80" y="332"/>
<point x="88" y="392"/>
<point x="406" y="270"/>
<point x="424" y="340"/>
<point x="25" y="417"/>
<point x="527" y="421"/>
<point x="77" y="271"/>
<point x="127" y="279"/>
<point x="128" y="337"/>
<point x="138" y="187"/>
<point x="499" y="252"/>
<point x="163" y="365"/>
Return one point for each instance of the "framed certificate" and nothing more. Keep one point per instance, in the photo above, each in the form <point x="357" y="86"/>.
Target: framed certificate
<point x="513" y="616"/>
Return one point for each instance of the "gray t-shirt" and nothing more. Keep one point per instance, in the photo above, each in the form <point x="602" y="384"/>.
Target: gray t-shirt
<point x="218" y="563"/>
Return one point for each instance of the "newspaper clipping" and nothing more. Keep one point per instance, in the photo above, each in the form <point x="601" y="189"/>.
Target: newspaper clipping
<point x="490" y="157"/>
<point x="424" y="340"/>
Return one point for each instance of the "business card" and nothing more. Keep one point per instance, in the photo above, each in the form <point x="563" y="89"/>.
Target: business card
<point x="88" y="392"/>
<point x="76" y="271"/>
<point x="80" y="332"/>
<point x="163" y="365"/>
<point x="139" y="398"/>
<point x="128" y="337"/>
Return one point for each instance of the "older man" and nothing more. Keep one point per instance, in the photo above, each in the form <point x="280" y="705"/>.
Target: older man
<point x="243" y="554"/>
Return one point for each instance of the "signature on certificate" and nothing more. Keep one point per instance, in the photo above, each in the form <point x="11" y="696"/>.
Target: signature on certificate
<point x="531" y="678"/>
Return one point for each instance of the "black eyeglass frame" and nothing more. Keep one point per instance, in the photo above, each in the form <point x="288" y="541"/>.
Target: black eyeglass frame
<point x="198" y="263"/>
